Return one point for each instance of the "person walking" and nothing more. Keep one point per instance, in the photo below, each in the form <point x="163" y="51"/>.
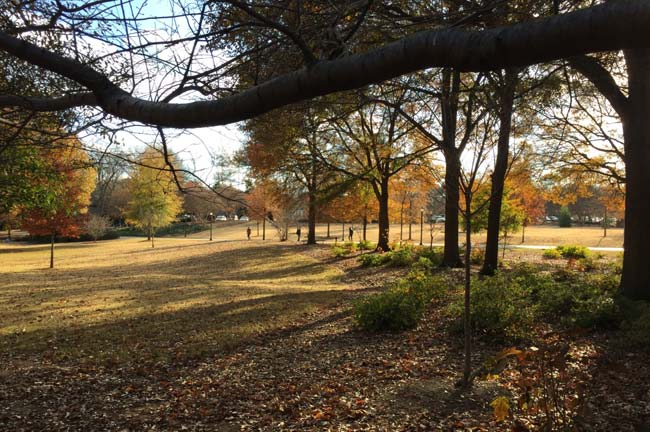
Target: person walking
<point x="248" y="232"/>
<point x="350" y="233"/>
<point x="298" y="234"/>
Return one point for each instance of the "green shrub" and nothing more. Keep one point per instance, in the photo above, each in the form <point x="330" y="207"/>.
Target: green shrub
<point x="564" y="218"/>
<point x="551" y="254"/>
<point x="573" y="251"/>
<point x="374" y="259"/>
<point x="476" y="256"/>
<point x="423" y="263"/>
<point x="366" y="245"/>
<point x="402" y="306"/>
<point x="576" y="299"/>
<point x="344" y="249"/>
<point x="403" y="257"/>
<point x="500" y="308"/>
<point x="636" y="327"/>
<point x="392" y="310"/>
<point x="339" y="251"/>
<point x="434" y="255"/>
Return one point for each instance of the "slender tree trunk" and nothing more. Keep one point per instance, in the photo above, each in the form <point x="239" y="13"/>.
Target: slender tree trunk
<point x="523" y="232"/>
<point x="328" y="230"/>
<point x="635" y="280"/>
<point x="605" y="223"/>
<point x="365" y="226"/>
<point x="467" y="323"/>
<point x="152" y="235"/>
<point x="52" y="250"/>
<point x="410" y="230"/>
<point x="384" y="222"/>
<point x="264" y="227"/>
<point x="311" y="220"/>
<point x="9" y="230"/>
<point x="401" y="224"/>
<point x="451" y="256"/>
<point x="506" y="101"/>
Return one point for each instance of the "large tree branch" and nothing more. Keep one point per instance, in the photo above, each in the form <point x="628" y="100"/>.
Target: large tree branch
<point x="591" y="69"/>
<point x="611" y="26"/>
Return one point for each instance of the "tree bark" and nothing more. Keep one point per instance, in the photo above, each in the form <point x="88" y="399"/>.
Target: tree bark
<point x="635" y="280"/>
<point x="365" y="226"/>
<point x="506" y="102"/>
<point x="311" y="220"/>
<point x="451" y="257"/>
<point x="467" y="323"/>
<point x="52" y="250"/>
<point x="384" y="222"/>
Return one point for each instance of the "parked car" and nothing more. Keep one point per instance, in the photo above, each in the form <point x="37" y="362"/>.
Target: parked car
<point x="221" y="218"/>
<point x="244" y="218"/>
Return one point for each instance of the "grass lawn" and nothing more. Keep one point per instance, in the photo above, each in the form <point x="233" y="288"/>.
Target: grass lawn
<point x="121" y="300"/>
<point x="551" y="235"/>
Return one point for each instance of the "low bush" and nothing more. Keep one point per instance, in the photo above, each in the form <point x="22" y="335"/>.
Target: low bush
<point x="403" y="257"/>
<point x="507" y="305"/>
<point x="577" y="299"/>
<point x="339" y="251"/>
<point x="374" y="259"/>
<point x="393" y="310"/>
<point x="401" y="306"/>
<point x="344" y="249"/>
<point x="477" y="256"/>
<point x="636" y="326"/>
<point x="551" y="254"/>
<point x="434" y="255"/>
<point x="366" y="245"/>
<point x="573" y="251"/>
<point x="500" y="308"/>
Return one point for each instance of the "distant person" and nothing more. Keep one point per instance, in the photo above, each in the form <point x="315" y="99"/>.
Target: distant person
<point x="350" y="233"/>
<point x="248" y="232"/>
<point x="298" y="233"/>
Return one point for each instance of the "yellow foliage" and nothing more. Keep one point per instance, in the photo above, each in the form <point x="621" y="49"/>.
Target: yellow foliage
<point x="501" y="406"/>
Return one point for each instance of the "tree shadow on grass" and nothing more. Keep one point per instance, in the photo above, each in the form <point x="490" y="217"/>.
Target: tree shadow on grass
<point x="197" y="304"/>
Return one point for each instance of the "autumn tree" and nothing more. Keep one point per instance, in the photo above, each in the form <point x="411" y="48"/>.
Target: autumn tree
<point x="526" y="193"/>
<point x="64" y="195"/>
<point x="288" y="146"/>
<point x="154" y="201"/>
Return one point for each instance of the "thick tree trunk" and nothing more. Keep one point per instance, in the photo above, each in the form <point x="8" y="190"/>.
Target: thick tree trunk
<point x="451" y="256"/>
<point x="384" y="223"/>
<point x="506" y="100"/>
<point x="311" y="220"/>
<point x="635" y="281"/>
<point x="52" y="250"/>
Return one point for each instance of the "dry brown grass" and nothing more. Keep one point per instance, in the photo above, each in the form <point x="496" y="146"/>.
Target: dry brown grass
<point x="550" y="235"/>
<point x="121" y="300"/>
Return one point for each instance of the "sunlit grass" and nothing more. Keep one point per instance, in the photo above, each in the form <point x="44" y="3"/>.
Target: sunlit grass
<point x="122" y="301"/>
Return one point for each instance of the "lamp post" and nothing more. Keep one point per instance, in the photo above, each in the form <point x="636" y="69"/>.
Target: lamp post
<point x="421" y="224"/>
<point x="211" y="216"/>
